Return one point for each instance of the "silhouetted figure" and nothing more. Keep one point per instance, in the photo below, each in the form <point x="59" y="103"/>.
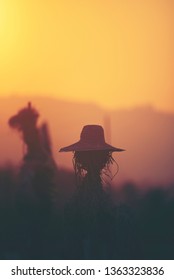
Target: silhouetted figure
<point x="26" y="123"/>
<point x="36" y="178"/>
<point x="89" y="217"/>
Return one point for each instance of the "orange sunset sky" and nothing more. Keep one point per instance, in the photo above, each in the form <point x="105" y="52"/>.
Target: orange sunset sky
<point x="116" y="53"/>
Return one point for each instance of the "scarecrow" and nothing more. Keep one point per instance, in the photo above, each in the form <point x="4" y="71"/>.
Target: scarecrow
<point x="35" y="196"/>
<point x="88" y="211"/>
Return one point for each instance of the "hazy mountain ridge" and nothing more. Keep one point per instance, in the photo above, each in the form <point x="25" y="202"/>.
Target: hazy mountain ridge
<point x="146" y="134"/>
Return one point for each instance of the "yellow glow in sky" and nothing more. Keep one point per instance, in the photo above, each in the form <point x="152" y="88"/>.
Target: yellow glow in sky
<point x="115" y="53"/>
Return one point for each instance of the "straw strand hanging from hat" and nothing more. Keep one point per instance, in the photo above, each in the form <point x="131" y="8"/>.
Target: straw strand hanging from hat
<point x="95" y="164"/>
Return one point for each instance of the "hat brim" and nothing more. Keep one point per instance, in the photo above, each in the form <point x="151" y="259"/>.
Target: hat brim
<point x="79" y="147"/>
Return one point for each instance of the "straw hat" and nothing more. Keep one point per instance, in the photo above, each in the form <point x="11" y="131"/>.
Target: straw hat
<point x="91" y="139"/>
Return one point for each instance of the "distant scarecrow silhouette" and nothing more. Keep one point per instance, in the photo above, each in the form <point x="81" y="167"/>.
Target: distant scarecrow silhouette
<point x="38" y="168"/>
<point x="92" y="157"/>
<point x="37" y="173"/>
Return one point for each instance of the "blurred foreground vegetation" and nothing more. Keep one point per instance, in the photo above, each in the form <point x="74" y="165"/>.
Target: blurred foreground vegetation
<point x="138" y="224"/>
